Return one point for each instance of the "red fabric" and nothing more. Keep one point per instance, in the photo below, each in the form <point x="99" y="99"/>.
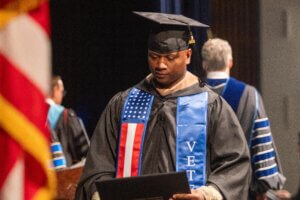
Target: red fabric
<point x="34" y="175"/>
<point x="5" y="2"/>
<point x="41" y="16"/>
<point x="136" y="149"/>
<point x="23" y="94"/>
<point x="121" y="153"/>
<point x="27" y="98"/>
<point x="8" y="147"/>
<point x="34" y="178"/>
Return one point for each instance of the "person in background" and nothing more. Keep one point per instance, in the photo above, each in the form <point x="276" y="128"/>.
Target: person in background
<point x="171" y="122"/>
<point x="248" y="105"/>
<point x="69" y="136"/>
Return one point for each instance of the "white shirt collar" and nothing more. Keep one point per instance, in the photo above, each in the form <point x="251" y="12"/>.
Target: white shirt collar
<point x="217" y="75"/>
<point x="50" y="101"/>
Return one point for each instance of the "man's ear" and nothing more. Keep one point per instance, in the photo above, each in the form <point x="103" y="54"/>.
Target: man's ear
<point x="188" y="56"/>
<point x="230" y="64"/>
<point x="204" y="65"/>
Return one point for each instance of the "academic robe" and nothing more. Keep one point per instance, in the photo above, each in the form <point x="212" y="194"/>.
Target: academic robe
<point x="250" y="109"/>
<point x="69" y="131"/>
<point x="227" y="160"/>
<point x="71" y="134"/>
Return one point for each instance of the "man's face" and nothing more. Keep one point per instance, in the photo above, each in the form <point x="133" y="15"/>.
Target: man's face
<point x="168" y="69"/>
<point x="58" y="92"/>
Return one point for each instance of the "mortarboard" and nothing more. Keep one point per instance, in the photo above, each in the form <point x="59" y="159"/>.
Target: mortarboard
<point x="170" y="32"/>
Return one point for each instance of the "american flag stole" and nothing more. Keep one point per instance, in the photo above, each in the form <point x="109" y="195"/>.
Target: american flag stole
<point x="135" y="115"/>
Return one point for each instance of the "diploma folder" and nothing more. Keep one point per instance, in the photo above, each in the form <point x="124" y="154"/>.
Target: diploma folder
<point x="145" y="187"/>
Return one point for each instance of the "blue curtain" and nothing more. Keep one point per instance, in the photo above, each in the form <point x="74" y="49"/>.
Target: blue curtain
<point x="171" y="6"/>
<point x="195" y="9"/>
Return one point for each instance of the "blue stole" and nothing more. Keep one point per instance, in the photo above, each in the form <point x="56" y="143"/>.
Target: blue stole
<point x="191" y="123"/>
<point x="54" y="113"/>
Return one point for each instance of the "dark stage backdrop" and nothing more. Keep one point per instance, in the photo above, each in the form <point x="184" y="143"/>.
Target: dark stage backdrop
<point x="100" y="47"/>
<point x="238" y="22"/>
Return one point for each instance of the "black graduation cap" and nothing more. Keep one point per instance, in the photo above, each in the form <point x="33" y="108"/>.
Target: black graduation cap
<point x="170" y="32"/>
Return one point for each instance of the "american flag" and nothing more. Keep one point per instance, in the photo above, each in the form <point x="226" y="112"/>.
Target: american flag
<point x="24" y="78"/>
<point x="134" y="118"/>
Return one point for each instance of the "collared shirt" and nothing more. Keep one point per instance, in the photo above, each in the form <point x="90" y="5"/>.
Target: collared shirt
<point x="217" y="75"/>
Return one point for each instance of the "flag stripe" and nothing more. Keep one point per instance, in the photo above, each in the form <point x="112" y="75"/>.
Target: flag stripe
<point x="137" y="149"/>
<point x="12" y="8"/>
<point x="29" y="137"/>
<point x="4" y="3"/>
<point x="22" y="94"/>
<point x="14" y="184"/>
<point x="40" y="15"/>
<point x="24" y="81"/>
<point x="18" y="127"/>
<point x="30" y="56"/>
<point x="129" y="149"/>
<point x="33" y="183"/>
<point x="8" y="147"/>
<point x="123" y="133"/>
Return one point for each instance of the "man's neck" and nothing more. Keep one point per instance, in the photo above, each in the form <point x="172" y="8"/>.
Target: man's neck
<point x="50" y="101"/>
<point x="188" y="80"/>
<point x="170" y="86"/>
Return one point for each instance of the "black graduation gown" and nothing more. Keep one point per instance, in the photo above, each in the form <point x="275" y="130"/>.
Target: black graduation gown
<point x="70" y="133"/>
<point x="228" y="164"/>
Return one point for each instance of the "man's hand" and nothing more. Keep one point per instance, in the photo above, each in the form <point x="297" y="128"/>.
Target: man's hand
<point x="283" y="194"/>
<point x="196" y="195"/>
<point x="280" y="194"/>
<point x="96" y="196"/>
<point x="262" y="196"/>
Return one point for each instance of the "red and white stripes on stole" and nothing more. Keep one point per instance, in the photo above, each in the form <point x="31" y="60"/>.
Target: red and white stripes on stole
<point x="129" y="149"/>
<point x="24" y="81"/>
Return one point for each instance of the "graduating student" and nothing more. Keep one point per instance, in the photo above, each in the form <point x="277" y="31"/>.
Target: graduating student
<point x="249" y="108"/>
<point x="170" y="122"/>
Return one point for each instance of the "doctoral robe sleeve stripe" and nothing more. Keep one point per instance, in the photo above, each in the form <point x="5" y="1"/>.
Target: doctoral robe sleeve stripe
<point x="264" y="156"/>
<point x="261" y="148"/>
<point x="271" y="171"/>
<point x="261" y="140"/>
<point x="59" y="163"/>
<point x="261" y="123"/>
<point x="262" y="135"/>
<point x="56" y="147"/>
<point x="265" y="162"/>
<point x="261" y="145"/>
